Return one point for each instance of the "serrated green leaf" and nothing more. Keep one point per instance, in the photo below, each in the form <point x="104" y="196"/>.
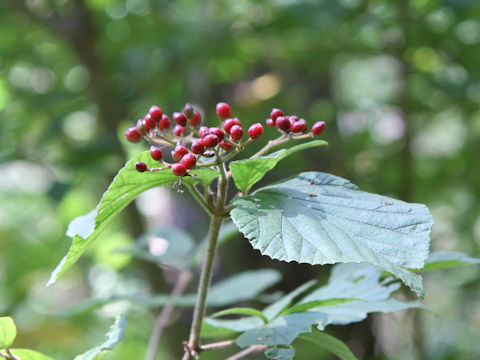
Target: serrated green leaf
<point x="319" y="218"/>
<point x="309" y="305"/>
<point x="446" y="260"/>
<point x="26" y="354"/>
<point x="330" y="343"/>
<point x="114" y="336"/>
<point x="241" y="311"/>
<point x="247" y="173"/>
<point x="8" y="332"/>
<point x="276" y="353"/>
<point x="125" y="187"/>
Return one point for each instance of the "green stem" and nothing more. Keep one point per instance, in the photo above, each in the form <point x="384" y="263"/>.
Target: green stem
<point x="200" y="199"/>
<point x="193" y="345"/>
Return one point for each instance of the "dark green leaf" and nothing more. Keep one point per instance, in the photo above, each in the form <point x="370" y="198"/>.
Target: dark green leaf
<point x="241" y="311"/>
<point x="114" y="336"/>
<point x="319" y="218"/>
<point x="247" y="172"/>
<point x="125" y="187"/>
<point x="330" y="343"/>
<point x="8" y="332"/>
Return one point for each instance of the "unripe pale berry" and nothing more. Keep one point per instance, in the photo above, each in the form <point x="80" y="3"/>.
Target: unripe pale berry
<point x="179" y="152"/>
<point x="141" y="127"/>
<point x="132" y="134"/>
<point x="150" y="123"/>
<point x="196" y="118"/>
<point x="156" y="153"/>
<point x="198" y="147"/>
<point x="255" y="131"/>
<point x="164" y="122"/>
<point x="180" y="118"/>
<point x="283" y="123"/>
<point x="223" y="110"/>
<point x="270" y="122"/>
<point x="188" y="110"/>
<point x="275" y="113"/>
<point x="226" y="145"/>
<point x="210" y="140"/>
<point x="217" y="131"/>
<point x="179" y="169"/>
<point x="236" y="132"/>
<point x="299" y="126"/>
<point x="189" y="160"/>
<point x="227" y="125"/>
<point x="318" y="127"/>
<point x="140" y="166"/>
<point x="178" y="130"/>
<point x="155" y="112"/>
<point x="203" y="131"/>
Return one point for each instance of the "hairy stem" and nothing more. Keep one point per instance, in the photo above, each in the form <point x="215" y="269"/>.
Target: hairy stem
<point x="193" y="346"/>
<point x="164" y="317"/>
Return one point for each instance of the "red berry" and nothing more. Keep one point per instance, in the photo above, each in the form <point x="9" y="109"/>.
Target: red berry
<point x="178" y="130"/>
<point x="150" y="123"/>
<point x="140" y="166"/>
<point x="255" y="131"/>
<point x="132" y="134"/>
<point x="180" y="118"/>
<point x="226" y="145"/>
<point x="292" y="119"/>
<point x="210" y="140"/>
<point x="318" y="127"/>
<point x="155" y="112"/>
<point x="188" y="110"/>
<point x="189" y="161"/>
<point x="299" y="126"/>
<point x="179" y="152"/>
<point x="223" y="110"/>
<point x="227" y="125"/>
<point x="203" y="131"/>
<point x="236" y="132"/>
<point x="217" y="131"/>
<point x="283" y="123"/>
<point x="196" y="118"/>
<point x="275" y="113"/>
<point x="270" y="122"/>
<point x="198" y="147"/>
<point x="164" y="122"/>
<point x="179" y="169"/>
<point x="156" y="153"/>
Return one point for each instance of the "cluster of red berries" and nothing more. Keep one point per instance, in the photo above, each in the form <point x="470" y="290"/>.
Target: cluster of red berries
<point x="209" y="141"/>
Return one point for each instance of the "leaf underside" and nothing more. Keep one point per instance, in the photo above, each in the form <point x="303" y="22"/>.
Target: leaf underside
<point x="318" y="218"/>
<point x="125" y="187"/>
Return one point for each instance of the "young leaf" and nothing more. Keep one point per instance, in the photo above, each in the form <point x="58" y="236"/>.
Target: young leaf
<point x="330" y="343"/>
<point x="8" y="332"/>
<point x="446" y="260"/>
<point x="314" y="305"/>
<point x="247" y="172"/>
<point x="26" y="354"/>
<point x="114" y="336"/>
<point x="276" y="353"/>
<point x="241" y="311"/>
<point x="125" y="187"/>
<point x="319" y="218"/>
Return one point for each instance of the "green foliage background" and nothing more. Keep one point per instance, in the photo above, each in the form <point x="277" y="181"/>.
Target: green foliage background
<point x="397" y="83"/>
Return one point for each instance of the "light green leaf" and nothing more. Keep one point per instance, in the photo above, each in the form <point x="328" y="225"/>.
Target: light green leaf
<point x="114" y="336"/>
<point x="26" y="354"/>
<point x="125" y="187"/>
<point x="314" y="305"/>
<point x="241" y="311"/>
<point x="330" y="343"/>
<point x="319" y="218"/>
<point x="280" y="353"/>
<point x="8" y="332"/>
<point x="446" y="260"/>
<point x="247" y="172"/>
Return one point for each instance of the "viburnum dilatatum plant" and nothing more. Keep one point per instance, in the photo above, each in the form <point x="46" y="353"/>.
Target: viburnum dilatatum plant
<point x="312" y="217"/>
